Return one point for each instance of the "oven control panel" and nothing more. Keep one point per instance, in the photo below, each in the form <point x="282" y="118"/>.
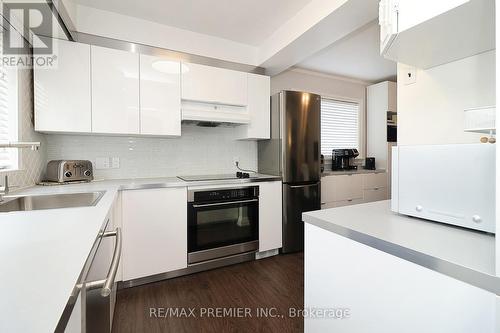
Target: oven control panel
<point x="225" y="194"/>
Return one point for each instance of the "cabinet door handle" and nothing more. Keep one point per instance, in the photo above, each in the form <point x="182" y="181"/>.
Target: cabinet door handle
<point x="107" y="284"/>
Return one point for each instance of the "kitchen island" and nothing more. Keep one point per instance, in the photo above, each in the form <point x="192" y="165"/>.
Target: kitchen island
<point x="398" y="274"/>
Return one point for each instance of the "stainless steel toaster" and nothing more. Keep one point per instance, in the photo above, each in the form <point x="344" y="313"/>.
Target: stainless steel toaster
<point x="63" y="171"/>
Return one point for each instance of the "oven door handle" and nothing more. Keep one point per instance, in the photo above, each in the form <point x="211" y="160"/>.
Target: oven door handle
<point x="224" y="203"/>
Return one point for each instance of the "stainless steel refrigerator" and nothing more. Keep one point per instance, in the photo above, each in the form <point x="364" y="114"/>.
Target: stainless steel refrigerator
<point x="293" y="152"/>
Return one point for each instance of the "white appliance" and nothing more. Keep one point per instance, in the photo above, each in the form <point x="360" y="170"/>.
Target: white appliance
<point x="453" y="184"/>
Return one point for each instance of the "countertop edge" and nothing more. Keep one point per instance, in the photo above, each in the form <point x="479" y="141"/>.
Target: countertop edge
<point x="470" y="276"/>
<point x="182" y="183"/>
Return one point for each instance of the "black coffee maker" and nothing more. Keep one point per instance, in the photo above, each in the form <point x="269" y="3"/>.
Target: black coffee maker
<point x="342" y="159"/>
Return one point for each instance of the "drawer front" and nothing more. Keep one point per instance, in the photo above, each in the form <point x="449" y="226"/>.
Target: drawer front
<point x="348" y="187"/>
<point x="328" y="188"/>
<point x="375" y="180"/>
<point x="375" y="194"/>
<point x="347" y="202"/>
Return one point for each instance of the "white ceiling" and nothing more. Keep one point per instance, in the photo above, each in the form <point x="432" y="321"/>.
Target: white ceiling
<point x="245" y="21"/>
<point x="356" y="56"/>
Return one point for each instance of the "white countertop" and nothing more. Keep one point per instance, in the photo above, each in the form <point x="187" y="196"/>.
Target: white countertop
<point x="461" y="253"/>
<point x="42" y="252"/>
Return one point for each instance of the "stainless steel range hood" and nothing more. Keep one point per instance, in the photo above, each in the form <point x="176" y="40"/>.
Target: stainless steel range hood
<point x="214" y="114"/>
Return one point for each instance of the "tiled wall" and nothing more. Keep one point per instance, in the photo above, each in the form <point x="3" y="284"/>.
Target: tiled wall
<point x="32" y="162"/>
<point x="199" y="150"/>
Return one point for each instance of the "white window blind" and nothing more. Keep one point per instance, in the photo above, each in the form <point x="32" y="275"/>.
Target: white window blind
<point x="8" y="113"/>
<point x="339" y="125"/>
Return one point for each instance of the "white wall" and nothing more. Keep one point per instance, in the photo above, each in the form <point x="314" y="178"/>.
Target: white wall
<point x="327" y="86"/>
<point x="430" y="111"/>
<point x="199" y="150"/>
<point x="497" y="91"/>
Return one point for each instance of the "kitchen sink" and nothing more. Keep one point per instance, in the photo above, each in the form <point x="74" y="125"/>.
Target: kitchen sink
<point x="12" y="203"/>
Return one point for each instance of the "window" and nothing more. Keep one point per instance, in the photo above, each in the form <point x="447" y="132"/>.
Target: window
<point x="9" y="159"/>
<point x="339" y="125"/>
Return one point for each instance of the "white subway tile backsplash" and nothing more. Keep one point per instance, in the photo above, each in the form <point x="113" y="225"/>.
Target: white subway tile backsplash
<point x="199" y="150"/>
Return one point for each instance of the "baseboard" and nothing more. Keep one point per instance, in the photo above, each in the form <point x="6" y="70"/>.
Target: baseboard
<point x="266" y="254"/>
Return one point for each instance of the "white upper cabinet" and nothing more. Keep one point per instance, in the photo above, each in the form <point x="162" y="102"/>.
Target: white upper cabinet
<point x="412" y="13"/>
<point x="94" y="89"/>
<point x="259" y="108"/>
<point x="381" y="98"/>
<point x="115" y="91"/>
<point x="62" y="93"/>
<point x="160" y="96"/>
<point x="430" y="33"/>
<point x="213" y="85"/>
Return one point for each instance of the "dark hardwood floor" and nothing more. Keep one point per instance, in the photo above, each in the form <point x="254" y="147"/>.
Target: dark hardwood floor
<point x="275" y="284"/>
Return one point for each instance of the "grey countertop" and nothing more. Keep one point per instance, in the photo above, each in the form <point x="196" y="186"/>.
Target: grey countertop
<point x="460" y="253"/>
<point x="350" y="172"/>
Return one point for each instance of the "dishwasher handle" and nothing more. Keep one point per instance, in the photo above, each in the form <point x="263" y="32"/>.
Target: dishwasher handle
<point x="113" y="269"/>
<point x="106" y="285"/>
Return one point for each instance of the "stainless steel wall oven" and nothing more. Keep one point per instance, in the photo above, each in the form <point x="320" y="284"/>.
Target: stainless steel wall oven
<point x="222" y="222"/>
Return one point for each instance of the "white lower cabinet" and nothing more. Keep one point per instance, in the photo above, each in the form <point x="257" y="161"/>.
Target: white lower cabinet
<point x="348" y="202"/>
<point x="375" y="194"/>
<point x="341" y="190"/>
<point x="409" y="298"/>
<point x="270" y="216"/>
<point x="345" y="190"/>
<point x="154" y="231"/>
<point x="348" y="187"/>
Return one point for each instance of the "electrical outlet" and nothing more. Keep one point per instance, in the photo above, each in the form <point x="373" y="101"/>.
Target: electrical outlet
<point x="409" y="75"/>
<point x="102" y="163"/>
<point x="115" y="162"/>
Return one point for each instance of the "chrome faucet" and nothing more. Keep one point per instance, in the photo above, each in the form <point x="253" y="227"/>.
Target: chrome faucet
<point x="5" y="188"/>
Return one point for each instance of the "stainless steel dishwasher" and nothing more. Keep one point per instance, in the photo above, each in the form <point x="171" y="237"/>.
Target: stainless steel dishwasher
<point x="91" y="306"/>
